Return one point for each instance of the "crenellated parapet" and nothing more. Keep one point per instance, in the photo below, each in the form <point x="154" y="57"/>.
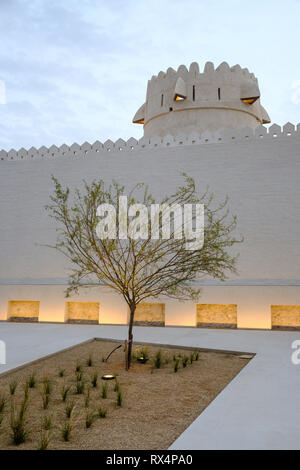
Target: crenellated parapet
<point x="145" y="143"/>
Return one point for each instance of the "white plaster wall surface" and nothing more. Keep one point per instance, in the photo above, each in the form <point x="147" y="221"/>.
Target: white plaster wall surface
<point x="260" y="175"/>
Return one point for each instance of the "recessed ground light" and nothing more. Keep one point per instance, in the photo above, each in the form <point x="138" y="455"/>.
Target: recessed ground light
<point x="142" y="359"/>
<point x="246" y="356"/>
<point x="108" y="377"/>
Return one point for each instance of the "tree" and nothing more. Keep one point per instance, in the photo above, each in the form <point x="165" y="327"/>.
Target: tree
<point x="146" y="264"/>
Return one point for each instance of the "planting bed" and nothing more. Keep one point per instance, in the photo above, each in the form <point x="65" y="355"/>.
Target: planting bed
<point x="157" y="404"/>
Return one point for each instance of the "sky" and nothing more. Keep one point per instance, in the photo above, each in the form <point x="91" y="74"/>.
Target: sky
<point x="77" y="70"/>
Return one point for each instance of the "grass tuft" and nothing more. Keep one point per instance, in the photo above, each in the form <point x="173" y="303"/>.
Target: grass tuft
<point x="31" y="381"/>
<point x="64" y="392"/>
<point x="94" y="380"/>
<point x="3" y="401"/>
<point x="104" y="390"/>
<point x="44" y="440"/>
<point x="102" y="412"/>
<point x="69" y="409"/>
<point x="176" y="365"/>
<point x="66" y="430"/>
<point x="18" y="422"/>
<point x="12" y="387"/>
<point x="89" y="361"/>
<point x="79" y="387"/>
<point x="89" y="419"/>
<point x="119" y="397"/>
<point x="61" y="372"/>
<point x="47" y="423"/>
<point x="157" y="362"/>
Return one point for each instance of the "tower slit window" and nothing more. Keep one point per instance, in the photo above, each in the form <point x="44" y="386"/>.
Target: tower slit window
<point x="219" y="93"/>
<point x="193" y="92"/>
<point x="162" y="100"/>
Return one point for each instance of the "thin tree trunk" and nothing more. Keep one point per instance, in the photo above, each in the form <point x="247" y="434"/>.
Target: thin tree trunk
<point x="130" y="336"/>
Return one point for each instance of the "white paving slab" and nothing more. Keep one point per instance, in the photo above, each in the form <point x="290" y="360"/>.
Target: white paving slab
<point x="259" y="409"/>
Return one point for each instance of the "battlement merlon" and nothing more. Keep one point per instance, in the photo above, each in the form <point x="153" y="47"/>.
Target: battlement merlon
<point x="188" y="101"/>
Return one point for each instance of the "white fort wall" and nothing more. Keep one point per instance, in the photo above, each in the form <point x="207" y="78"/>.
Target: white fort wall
<point x="259" y="172"/>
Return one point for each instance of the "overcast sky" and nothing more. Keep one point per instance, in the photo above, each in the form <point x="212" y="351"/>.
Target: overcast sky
<point x="77" y="70"/>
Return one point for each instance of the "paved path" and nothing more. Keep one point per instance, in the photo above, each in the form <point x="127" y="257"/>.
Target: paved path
<point x="259" y="409"/>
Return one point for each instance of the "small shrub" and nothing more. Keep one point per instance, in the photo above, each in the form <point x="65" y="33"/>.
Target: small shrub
<point x="12" y="387"/>
<point x="157" y="363"/>
<point x="102" y="412"/>
<point x="44" y="441"/>
<point x="79" y="387"/>
<point x="87" y="399"/>
<point x="94" y="380"/>
<point x="3" y="401"/>
<point x="31" y="381"/>
<point x="89" y="361"/>
<point x="119" y="397"/>
<point x="69" y="409"/>
<point x="66" y="430"/>
<point x="64" y="392"/>
<point x="176" y="365"/>
<point x="174" y="357"/>
<point x="61" y="372"/>
<point x="191" y="358"/>
<point x="104" y="390"/>
<point x="78" y="368"/>
<point x="89" y="419"/>
<point x="196" y="355"/>
<point x="18" y="422"/>
<point x="47" y="423"/>
<point x="185" y="361"/>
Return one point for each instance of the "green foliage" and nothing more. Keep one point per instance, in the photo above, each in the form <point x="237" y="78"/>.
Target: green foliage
<point x="94" y="380"/>
<point x="119" y="397"/>
<point x="89" y="361"/>
<point x="47" y="385"/>
<point x="104" y="390"/>
<point x="12" y="387"/>
<point x="89" y="419"/>
<point x="45" y="437"/>
<point x="47" y="423"/>
<point x="185" y="361"/>
<point x="31" y="381"/>
<point x="102" y="412"/>
<point x="87" y="398"/>
<point x="3" y="401"/>
<point x="61" y="372"/>
<point x="79" y="387"/>
<point x="64" y="392"/>
<point x="79" y="376"/>
<point x="18" y="422"/>
<point x="69" y="409"/>
<point x="66" y="430"/>
<point x="151" y="267"/>
<point x="117" y="386"/>
<point x="78" y="368"/>
<point x="176" y="365"/>
<point x="157" y="362"/>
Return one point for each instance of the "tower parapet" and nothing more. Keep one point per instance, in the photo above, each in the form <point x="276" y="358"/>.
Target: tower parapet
<point x="189" y="101"/>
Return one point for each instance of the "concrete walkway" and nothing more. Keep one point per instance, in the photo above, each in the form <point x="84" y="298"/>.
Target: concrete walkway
<point x="259" y="409"/>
